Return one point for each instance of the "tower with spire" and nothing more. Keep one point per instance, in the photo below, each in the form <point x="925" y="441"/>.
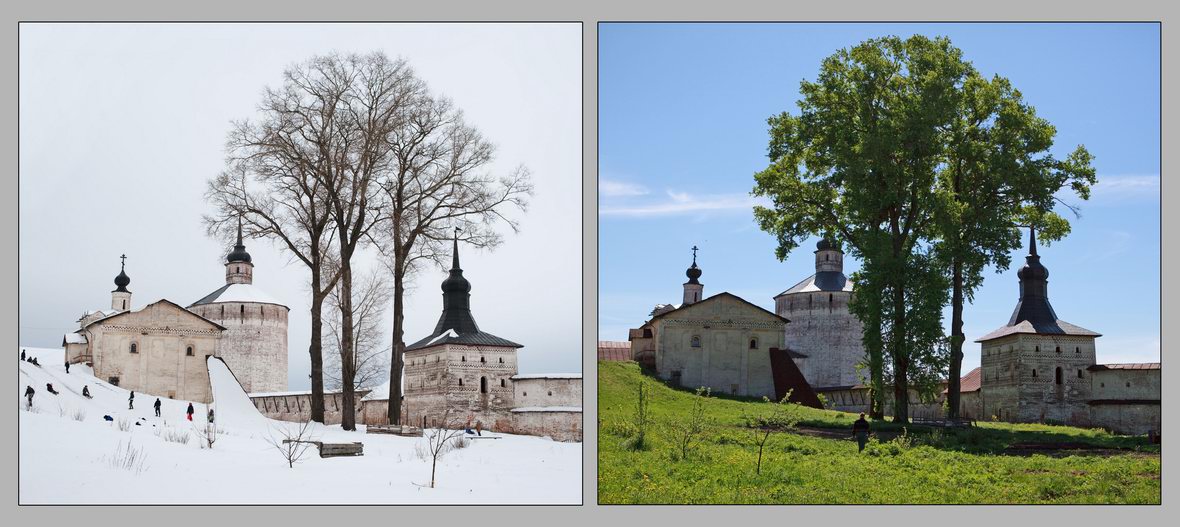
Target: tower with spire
<point x="824" y="336"/>
<point x="459" y="365"/>
<point x="693" y="288"/>
<point x="1036" y="368"/>
<point x="121" y="296"/>
<point x="239" y="269"/>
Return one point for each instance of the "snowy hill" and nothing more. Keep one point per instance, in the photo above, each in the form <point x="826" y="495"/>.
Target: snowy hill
<point x="70" y="454"/>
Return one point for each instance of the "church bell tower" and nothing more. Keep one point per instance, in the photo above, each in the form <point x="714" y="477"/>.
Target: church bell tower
<point x="121" y="297"/>
<point x="238" y="268"/>
<point x="693" y="288"/>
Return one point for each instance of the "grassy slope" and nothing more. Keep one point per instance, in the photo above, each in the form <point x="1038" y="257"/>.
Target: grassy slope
<point x="963" y="467"/>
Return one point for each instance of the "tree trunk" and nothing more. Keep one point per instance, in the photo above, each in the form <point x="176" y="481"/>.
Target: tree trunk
<point x="399" y="346"/>
<point x="316" y="350"/>
<point x="901" y="392"/>
<point x="348" y="419"/>
<point x="953" y="386"/>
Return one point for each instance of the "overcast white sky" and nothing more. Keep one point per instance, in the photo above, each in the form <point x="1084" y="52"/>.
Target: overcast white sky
<point x="122" y="124"/>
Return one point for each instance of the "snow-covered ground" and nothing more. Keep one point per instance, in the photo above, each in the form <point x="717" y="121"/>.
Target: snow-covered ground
<point x="68" y="461"/>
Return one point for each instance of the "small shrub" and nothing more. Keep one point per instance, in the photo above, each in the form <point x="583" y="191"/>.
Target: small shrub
<point x="79" y="415"/>
<point x="172" y="435"/>
<point x="128" y="457"/>
<point x="124" y="425"/>
<point x="460" y="442"/>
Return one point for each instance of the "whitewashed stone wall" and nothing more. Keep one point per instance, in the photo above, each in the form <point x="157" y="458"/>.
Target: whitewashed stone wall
<point x="296" y="406"/>
<point x="1020" y="378"/>
<point x="538" y="392"/>
<point x="724" y="361"/>
<point x="255" y="342"/>
<point x="823" y="329"/>
<point x="473" y="381"/>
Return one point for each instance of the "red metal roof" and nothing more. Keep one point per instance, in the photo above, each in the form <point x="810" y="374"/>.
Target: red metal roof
<point x="1130" y="366"/>
<point x="613" y="350"/>
<point x="970" y="382"/>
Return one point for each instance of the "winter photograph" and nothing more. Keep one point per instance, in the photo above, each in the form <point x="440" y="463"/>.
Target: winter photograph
<point x="879" y="263"/>
<point x="300" y="263"/>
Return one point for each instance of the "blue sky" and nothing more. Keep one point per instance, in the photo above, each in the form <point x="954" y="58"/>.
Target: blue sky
<point x="682" y="130"/>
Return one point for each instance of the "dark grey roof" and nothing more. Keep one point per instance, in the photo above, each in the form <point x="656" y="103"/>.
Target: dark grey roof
<point x="1034" y="314"/>
<point x="478" y="338"/>
<point x="456" y="325"/>
<point x="1057" y="327"/>
<point x="821" y="281"/>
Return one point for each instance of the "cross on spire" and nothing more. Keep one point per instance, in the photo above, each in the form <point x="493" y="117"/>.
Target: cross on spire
<point x="123" y="264"/>
<point x="694" y="254"/>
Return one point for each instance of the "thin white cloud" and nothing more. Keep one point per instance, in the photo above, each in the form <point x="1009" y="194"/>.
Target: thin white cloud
<point x="619" y="189"/>
<point x="679" y="203"/>
<point x="1126" y="187"/>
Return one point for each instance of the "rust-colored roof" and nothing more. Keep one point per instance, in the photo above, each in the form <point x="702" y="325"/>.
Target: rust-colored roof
<point x="1129" y="366"/>
<point x="970" y="382"/>
<point x="614" y="350"/>
<point x="787" y="377"/>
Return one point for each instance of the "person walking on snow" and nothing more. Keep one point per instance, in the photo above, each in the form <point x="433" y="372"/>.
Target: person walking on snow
<point x="67" y="367"/>
<point x="157" y="406"/>
<point x="190" y="411"/>
<point x="860" y="429"/>
<point x="22" y="354"/>
<point x="131" y="401"/>
<point x="29" y="391"/>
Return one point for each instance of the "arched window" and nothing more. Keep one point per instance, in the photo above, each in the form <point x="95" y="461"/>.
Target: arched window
<point x="827" y="257"/>
<point x="501" y="360"/>
<point x="753" y="344"/>
<point x="134" y="348"/>
<point x="503" y="384"/>
<point x="460" y="381"/>
<point x="243" y="312"/>
<point x="1079" y="374"/>
<point x="124" y="303"/>
<point x="1077" y="350"/>
<point x="696" y="341"/>
<point x="1037" y="349"/>
<point x="482" y="360"/>
<point x="1057" y="375"/>
<point x="188" y="351"/>
<point x="1058" y="350"/>
<point x="463" y="359"/>
<point x="223" y="312"/>
<point x="483" y="385"/>
<point x="551" y="393"/>
<point x="1034" y="372"/>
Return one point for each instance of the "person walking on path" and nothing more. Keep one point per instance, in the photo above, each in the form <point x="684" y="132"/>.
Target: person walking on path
<point x="22" y="354"/>
<point x="157" y="406"/>
<point x="131" y="401"/>
<point x="67" y="367"/>
<point x="190" y="411"/>
<point x="861" y="430"/>
<point x="29" y="391"/>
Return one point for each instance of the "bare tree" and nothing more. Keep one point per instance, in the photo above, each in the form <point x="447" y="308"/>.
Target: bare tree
<point x="438" y="184"/>
<point x="370" y="355"/>
<point x="206" y="434"/>
<point x="441" y="440"/>
<point x="685" y="432"/>
<point x="291" y="442"/>
<point x="283" y="155"/>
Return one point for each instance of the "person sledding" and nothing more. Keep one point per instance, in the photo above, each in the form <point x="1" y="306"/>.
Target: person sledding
<point x="467" y="427"/>
<point x="49" y="388"/>
<point x="190" y="411"/>
<point x="157" y="406"/>
<point x="29" y="391"/>
<point x="131" y="401"/>
<point x="86" y="391"/>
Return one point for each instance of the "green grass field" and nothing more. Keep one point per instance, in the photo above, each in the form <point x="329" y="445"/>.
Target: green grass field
<point x="820" y="464"/>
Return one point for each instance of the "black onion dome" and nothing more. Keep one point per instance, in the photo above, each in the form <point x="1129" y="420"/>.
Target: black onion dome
<point x="239" y="253"/>
<point x="826" y="245"/>
<point x="122" y="281"/>
<point x="1033" y="269"/>
<point x="693" y="273"/>
<point x="455" y="283"/>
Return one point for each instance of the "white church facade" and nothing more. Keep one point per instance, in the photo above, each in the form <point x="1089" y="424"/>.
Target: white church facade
<point x="160" y="349"/>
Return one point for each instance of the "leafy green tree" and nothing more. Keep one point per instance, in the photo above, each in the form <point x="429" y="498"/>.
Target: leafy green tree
<point x="859" y="164"/>
<point x="781" y="416"/>
<point x="997" y="175"/>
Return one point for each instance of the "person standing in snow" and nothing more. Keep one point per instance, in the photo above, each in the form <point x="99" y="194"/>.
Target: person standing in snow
<point x="22" y="354"/>
<point x="157" y="406"/>
<point x="190" y="411"/>
<point x="67" y="367"/>
<point x="29" y="391"/>
<point x="131" y="401"/>
<point x="210" y="414"/>
<point x="479" y="428"/>
<point x="86" y="391"/>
